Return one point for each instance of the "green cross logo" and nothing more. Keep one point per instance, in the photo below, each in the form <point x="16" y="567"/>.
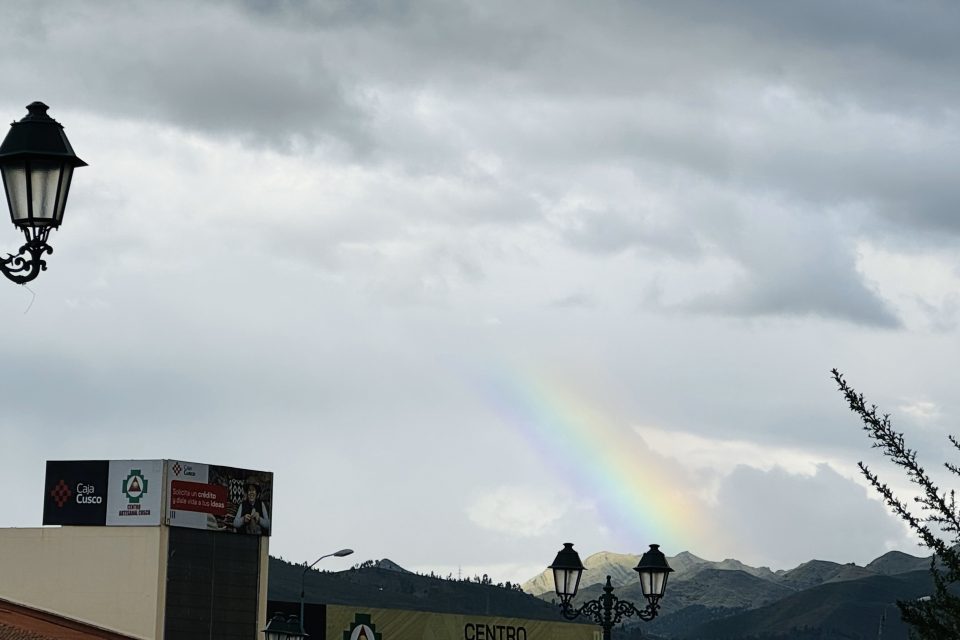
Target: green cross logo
<point x="135" y="486"/>
<point x="362" y="629"/>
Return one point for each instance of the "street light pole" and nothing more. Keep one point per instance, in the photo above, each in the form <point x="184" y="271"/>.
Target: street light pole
<point x="608" y="610"/>
<point x="303" y="577"/>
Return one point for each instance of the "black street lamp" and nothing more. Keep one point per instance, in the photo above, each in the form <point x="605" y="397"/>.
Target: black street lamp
<point x="608" y="610"/>
<point x="37" y="163"/>
<point x="284" y="627"/>
<point x="303" y="577"/>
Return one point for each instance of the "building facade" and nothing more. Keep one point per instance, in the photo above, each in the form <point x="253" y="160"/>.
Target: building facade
<point x="147" y="548"/>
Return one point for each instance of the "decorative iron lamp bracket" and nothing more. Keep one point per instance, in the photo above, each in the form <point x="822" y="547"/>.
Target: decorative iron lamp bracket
<point x="28" y="262"/>
<point x="608" y="610"/>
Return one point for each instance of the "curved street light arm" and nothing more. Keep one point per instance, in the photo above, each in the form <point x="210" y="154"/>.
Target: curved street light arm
<point x="312" y="564"/>
<point x="28" y="262"/>
<point x="608" y="610"/>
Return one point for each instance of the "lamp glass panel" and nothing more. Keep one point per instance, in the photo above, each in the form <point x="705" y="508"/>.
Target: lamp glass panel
<point x="62" y="196"/>
<point x="44" y="180"/>
<point x="653" y="583"/>
<point x="560" y="581"/>
<point x="15" y="179"/>
<point x="567" y="581"/>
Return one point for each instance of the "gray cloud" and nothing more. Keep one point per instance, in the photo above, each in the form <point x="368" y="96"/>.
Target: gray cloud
<point x="783" y="519"/>
<point x="798" y="269"/>
<point x="203" y="68"/>
<point x="313" y="223"/>
<point x="574" y="301"/>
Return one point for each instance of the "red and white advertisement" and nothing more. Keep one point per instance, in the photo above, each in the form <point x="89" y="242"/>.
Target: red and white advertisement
<point x="194" y="496"/>
<point x="218" y="498"/>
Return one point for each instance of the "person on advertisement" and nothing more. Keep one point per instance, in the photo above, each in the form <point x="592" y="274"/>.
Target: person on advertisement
<point x="252" y="516"/>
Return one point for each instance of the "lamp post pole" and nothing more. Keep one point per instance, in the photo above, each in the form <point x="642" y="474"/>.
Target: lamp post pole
<point x="609" y="610"/>
<point x="303" y="577"/>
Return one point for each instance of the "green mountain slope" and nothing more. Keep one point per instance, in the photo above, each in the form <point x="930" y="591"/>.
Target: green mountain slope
<point x="400" y="589"/>
<point x="847" y="609"/>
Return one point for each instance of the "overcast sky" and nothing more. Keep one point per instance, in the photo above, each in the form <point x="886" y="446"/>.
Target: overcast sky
<point x="476" y="279"/>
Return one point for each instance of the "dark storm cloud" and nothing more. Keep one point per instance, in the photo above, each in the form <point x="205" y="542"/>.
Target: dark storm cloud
<point x="794" y="265"/>
<point x="923" y="31"/>
<point x="817" y="105"/>
<point x="197" y="67"/>
<point x="827" y="294"/>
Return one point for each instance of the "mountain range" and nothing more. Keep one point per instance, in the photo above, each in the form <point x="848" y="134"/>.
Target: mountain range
<point x="619" y="566"/>
<point x="705" y="600"/>
<point x="729" y="599"/>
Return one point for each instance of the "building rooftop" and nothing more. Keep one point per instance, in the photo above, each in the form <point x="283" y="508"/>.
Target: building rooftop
<point x="19" y="622"/>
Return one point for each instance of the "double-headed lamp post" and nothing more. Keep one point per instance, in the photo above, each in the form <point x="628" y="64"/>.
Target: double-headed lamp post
<point x="303" y="577"/>
<point x="284" y="627"/>
<point x="37" y="164"/>
<point x="608" y="610"/>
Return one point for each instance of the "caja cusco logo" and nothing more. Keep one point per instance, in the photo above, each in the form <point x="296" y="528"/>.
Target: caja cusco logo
<point x="61" y="493"/>
<point x="85" y="494"/>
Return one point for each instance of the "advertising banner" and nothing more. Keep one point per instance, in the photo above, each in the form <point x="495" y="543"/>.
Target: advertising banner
<point x="75" y="492"/>
<point x="135" y="492"/>
<point x="212" y="497"/>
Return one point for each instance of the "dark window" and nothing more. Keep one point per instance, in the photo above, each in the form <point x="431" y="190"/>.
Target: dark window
<point x="212" y="585"/>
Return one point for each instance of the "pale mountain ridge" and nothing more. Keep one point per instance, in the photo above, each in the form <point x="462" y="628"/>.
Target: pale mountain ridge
<point x="731" y="564"/>
<point x="685" y="562"/>
<point x="389" y="565"/>
<point x="619" y="567"/>
<point x="811" y="573"/>
<point x="893" y="562"/>
<point x="850" y="571"/>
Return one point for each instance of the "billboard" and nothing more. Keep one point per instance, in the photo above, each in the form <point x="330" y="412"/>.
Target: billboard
<point x="103" y="492"/>
<point x="356" y="623"/>
<point x="151" y="492"/>
<point x="135" y="493"/>
<point x="75" y="492"/>
<point x="218" y="498"/>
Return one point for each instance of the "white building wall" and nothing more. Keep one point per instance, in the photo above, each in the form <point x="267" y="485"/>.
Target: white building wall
<point x="112" y="577"/>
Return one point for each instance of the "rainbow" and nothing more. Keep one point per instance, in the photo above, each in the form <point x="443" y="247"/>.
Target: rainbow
<point x="602" y="459"/>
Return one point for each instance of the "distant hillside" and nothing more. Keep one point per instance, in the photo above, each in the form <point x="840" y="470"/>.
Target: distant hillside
<point x="735" y="565"/>
<point x="847" y="609"/>
<point x="723" y="588"/>
<point x="708" y="600"/>
<point x="809" y="574"/>
<point x="395" y="587"/>
<point x="894" y="562"/>
<point x="702" y="596"/>
<point x="389" y="565"/>
<point x="685" y="562"/>
<point x="705" y="600"/>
